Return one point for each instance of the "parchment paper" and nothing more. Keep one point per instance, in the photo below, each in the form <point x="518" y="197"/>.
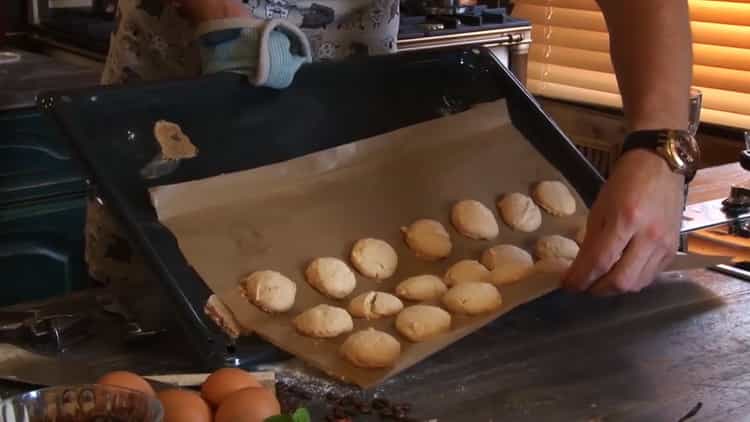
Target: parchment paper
<point x="284" y="215"/>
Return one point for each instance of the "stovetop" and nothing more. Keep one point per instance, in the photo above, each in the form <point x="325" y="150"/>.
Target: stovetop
<point x="470" y="19"/>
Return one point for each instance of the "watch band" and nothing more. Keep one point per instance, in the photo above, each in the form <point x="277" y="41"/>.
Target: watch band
<point x="649" y="140"/>
<point x="642" y="139"/>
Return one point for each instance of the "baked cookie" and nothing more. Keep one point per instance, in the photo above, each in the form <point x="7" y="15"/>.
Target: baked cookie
<point x="375" y="305"/>
<point x="508" y="264"/>
<point x="555" y="198"/>
<point x="331" y="276"/>
<point x="466" y="270"/>
<point x="428" y="239"/>
<point x="422" y="322"/>
<point x="556" y="246"/>
<point x="519" y="212"/>
<point x="270" y="291"/>
<point x="421" y="288"/>
<point x="374" y="258"/>
<point x="472" y="298"/>
<point x="323" y="321"/>
<point x="474" y="220"/>
<point x="553" y="265"/>
<point x="503" y="254"/>
<point x="371" y="348"/>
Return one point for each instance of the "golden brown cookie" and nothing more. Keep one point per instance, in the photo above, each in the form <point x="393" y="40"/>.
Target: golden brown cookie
<point x="422" y="322"/>
<point x="428" y="239"/>
<point x="371" y="348"/>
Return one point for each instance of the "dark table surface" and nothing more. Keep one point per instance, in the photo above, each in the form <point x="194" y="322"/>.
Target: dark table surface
<point x="646" y="357"/>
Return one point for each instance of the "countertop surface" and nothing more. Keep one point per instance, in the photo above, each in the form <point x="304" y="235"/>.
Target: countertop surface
<point x="21" y="81"/>
<point x="647" y="357"/>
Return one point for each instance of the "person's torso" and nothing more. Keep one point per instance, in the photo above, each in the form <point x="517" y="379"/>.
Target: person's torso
<point x="152" y="41"/>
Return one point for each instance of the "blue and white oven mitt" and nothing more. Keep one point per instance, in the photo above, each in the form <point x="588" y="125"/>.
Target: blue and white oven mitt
<point x="269" y="52"/>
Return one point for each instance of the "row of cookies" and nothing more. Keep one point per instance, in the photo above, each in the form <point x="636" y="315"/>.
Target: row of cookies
<point x="430" y="240"/>
<point x="470" y="293"/>
<point x="376" y="259"/>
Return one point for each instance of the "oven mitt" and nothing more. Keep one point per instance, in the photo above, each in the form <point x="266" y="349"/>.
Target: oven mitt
<point x="268" y="52"/>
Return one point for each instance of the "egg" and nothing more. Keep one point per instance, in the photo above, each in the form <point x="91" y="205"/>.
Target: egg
<point x="253" y="404"/>
<point x="224" y="382"/>
<point x="184" y="406"/>
<point x="126" y="379"/>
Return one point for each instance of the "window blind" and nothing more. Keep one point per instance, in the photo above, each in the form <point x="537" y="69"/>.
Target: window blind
<point x="569" y="55"/>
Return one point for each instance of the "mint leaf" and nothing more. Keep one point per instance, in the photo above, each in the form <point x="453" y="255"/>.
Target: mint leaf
<point x="301" y="415"/>
<point x="280" y="418"/>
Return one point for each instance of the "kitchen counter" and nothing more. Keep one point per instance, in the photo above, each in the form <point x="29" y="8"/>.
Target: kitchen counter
<point x="647" y="357"/>
<point x="23" y="80"/>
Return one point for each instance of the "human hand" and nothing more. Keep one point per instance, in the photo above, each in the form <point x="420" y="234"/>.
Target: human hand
<point x="633" y="229"/>
<point x="198" y="11"/>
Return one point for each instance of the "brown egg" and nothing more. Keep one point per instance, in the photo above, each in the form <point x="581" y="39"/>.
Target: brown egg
<point x="253" y="404"/>
<point x="224" y="382"/>
<point x="184" y="406"/>
<point x="126" y="379"/>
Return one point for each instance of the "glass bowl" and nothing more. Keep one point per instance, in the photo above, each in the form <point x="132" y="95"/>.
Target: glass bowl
<point x="81" y="403"/>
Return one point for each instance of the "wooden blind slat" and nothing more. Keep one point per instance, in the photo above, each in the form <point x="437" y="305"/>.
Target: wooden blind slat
<point x="569" y="55"/>
<point x="549" y="19"/>
<point x="717" y="99"/>
<point x="592" y="97"/>
<point x="709" y="76"/>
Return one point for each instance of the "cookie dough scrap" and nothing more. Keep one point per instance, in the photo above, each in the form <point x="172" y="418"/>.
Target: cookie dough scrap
<point x="555" y="198"/>
<point x="331" y="276"/>
<point x="472" y="298"/>
<point x="422" y="322"/>
<point x="508" y="264"/>
<point x="474" y="220"/>
<point x="371" y="349"/>
<point x="270" y="291"/>
<point x="375" y="305"/>
<point x="224" y="318"/>
<point x="465" y="271"/>
<point x="323" y="321"/>
<point x="421" y="288"/>
<point x="174" y="143"/>
<point x="428" y="239"/>
<point x="556" y="246"/>
<point x="520" y="212"/>
<point x="374" y="258"/>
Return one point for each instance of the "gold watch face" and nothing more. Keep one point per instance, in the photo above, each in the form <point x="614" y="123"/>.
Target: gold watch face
<point x="682" y="151"/>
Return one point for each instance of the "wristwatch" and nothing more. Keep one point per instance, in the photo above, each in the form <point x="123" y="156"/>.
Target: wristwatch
<point x="677" y="147"/>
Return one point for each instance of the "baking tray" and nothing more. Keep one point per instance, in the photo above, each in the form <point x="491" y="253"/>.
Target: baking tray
<point x="110" y="128"/>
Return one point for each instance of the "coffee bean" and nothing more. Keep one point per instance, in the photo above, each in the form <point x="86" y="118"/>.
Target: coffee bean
<point x="365" y="409"/>
<point x="339" y="412"/>
<point x="378" y="404"/>
<point x="347" y="401"/>
<point x="406" y="407"/>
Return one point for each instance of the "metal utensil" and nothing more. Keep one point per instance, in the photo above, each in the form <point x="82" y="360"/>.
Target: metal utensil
<point x="134" y="330"/>
<point x="49" y="333"/>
